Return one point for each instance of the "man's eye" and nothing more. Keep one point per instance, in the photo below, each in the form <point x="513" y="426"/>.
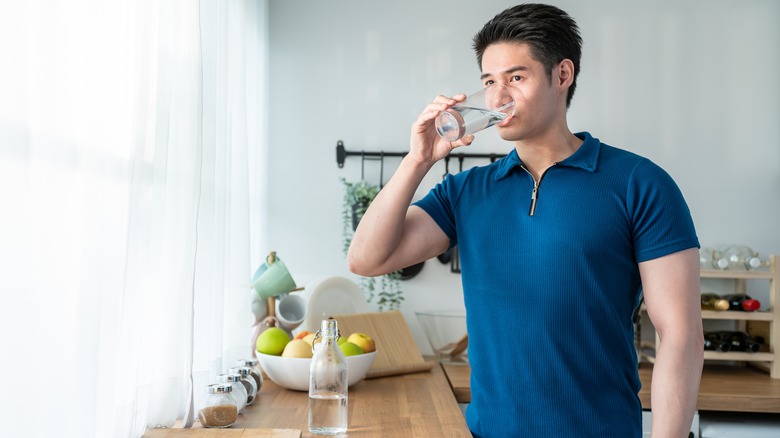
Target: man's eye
<point x="516" y="78"/>
<point x="489" y="82"/>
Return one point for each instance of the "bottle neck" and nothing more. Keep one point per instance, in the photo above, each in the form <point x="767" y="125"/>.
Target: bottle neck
<point x="329" y="328"/>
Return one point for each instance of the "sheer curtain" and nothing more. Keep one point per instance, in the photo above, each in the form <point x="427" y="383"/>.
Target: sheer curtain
<point x="131" y="179"/>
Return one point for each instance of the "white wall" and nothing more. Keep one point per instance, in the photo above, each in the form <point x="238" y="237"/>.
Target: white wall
<point x="691" y="85"/>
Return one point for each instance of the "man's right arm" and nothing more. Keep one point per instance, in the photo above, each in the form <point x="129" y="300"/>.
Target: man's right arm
<point x="392" y="235"/>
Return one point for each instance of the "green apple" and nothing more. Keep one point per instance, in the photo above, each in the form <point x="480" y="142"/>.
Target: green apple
<point x="272" y="341"/>
<point x="350" y="349"/>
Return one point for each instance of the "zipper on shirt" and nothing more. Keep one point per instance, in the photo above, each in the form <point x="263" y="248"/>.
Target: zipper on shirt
<point x="535" y="191"/>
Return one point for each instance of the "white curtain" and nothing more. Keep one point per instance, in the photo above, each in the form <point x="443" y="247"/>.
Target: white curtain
<point x="132" y="137"/>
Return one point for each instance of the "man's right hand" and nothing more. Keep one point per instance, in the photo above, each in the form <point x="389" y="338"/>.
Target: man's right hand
<point x="425" y="145"/>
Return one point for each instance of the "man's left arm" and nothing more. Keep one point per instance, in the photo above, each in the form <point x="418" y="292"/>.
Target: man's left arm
<point x="672" y="295"/>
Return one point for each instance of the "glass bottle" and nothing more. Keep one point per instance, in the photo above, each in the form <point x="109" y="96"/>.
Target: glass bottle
<point x="328" y="383"/>
<point x="740" y="341"/>
<point x="713" y="342"/>
<point x="710" y="301"/>
<point x="219" y="407"/>
<point x="248" y="381"/>
<point x="254" y="370"/>
<point x="742" y="258"/>
<point x="239" y="390"/>
<point x="711" y="258"/>
<point x="742" y="302"/>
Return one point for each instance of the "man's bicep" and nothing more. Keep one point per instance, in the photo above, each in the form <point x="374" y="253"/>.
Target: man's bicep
<point x="671" y="289"/>
<point x="421" y="240"/>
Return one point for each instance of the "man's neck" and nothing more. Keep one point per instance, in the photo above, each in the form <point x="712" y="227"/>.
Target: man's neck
<point x="540" y="152"/>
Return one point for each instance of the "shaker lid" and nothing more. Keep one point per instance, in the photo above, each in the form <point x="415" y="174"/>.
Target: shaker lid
<point x="244" y="371"/>
<point x="228" y="378"/>
<point x="247" y="362"/>
<point x="220" y="388"/>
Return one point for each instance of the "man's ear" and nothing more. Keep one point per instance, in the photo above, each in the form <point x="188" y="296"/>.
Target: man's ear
<point x="565" y="71"/>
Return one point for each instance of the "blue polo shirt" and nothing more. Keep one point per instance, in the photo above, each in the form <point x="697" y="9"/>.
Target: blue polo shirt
<point x="550" y="290"/>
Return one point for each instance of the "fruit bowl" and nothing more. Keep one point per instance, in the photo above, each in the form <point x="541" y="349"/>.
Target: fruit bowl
<point x="293" y="372"/>
<point x="446" y="333"/>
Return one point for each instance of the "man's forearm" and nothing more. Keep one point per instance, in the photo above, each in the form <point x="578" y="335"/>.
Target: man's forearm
<point x="675" y="387"/>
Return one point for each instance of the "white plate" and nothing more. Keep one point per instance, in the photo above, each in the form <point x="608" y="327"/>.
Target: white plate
<point x="332" y="296"/>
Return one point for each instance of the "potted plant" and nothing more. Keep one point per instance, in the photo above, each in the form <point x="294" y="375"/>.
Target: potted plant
<point x="357" y="197"/>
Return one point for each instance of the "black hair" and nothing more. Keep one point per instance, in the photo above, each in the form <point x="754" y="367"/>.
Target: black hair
<point x="551" y="34"/>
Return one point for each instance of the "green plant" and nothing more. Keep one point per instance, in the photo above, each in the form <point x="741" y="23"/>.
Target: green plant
<point x="357" y="197"/>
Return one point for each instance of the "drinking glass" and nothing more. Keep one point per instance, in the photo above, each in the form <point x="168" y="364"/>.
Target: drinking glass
<point x="480" y="110"/>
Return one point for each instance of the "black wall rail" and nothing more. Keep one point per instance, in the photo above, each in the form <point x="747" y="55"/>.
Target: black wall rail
<point x="342" y="153"/>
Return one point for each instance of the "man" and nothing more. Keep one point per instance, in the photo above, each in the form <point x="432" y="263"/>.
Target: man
<point x="558" y="241"/>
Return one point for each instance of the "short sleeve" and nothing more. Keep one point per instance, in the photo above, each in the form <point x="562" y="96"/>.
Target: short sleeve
<point x="439" y="206"/>
<point x="661" y="220"/>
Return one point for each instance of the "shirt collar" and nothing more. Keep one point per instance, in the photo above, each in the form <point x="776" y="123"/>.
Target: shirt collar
<point x="586" y="157"/>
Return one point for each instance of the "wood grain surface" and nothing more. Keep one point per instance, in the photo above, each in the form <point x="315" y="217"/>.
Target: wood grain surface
<point x="723" y="388"/>
<point x="727" y="388"/>
<point x="397" y="351"/>
<point x="222" y="433"/>
<point x="410" y="405"/>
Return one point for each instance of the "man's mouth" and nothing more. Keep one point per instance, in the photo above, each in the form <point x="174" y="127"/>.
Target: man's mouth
<point x="506" y="121"/>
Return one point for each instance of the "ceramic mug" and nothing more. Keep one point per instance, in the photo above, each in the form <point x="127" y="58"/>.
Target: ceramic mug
<point x="290" y="311"/>
<point x="272" y="278"/>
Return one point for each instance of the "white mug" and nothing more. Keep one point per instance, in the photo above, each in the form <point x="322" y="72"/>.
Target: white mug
<point x="290" y="311"/>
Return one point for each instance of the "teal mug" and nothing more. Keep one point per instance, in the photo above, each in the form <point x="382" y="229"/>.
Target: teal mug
<point x="272" y="278"/>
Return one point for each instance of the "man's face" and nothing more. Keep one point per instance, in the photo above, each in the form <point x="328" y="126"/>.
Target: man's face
<point x="537" y="102"/>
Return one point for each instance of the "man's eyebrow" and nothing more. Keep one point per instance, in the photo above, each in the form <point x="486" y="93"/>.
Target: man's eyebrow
<point x="509" y="70"/>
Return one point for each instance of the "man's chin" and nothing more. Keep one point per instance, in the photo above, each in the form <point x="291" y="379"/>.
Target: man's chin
<point x="508" y="134"/>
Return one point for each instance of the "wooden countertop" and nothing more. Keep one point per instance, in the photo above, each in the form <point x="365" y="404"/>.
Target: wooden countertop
<point x="727" y="388"/>
<point x="411" y="405"/>
<point x="723" y="388"/>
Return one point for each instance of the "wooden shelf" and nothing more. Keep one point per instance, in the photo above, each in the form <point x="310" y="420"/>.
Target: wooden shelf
<point x="736" y="275"/>
<point x="737" y="315"/>
<point x="764" y="323"/>
<point x="741" y="356"/>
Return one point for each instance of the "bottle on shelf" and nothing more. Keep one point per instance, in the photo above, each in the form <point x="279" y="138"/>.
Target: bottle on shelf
<point x="710" y="301"/>
<point x="742" y="302"/>
<point x="328" y="413"/>
<point x="739" y="341"/>
<point x="743" y="258"/>
<point x="711" y="258"/>
<point x="713" y="342"/>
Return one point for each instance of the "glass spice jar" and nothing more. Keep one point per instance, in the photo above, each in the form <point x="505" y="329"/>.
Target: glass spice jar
<point x="254" y="370"/>
<point x="248" y="381"/>
<point x="239" y="390"/>
<point x="219" y="407"/>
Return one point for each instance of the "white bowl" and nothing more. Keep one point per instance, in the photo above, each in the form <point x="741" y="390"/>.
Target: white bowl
<point x="293" y="372"/>
<point x="445" y="329"/>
